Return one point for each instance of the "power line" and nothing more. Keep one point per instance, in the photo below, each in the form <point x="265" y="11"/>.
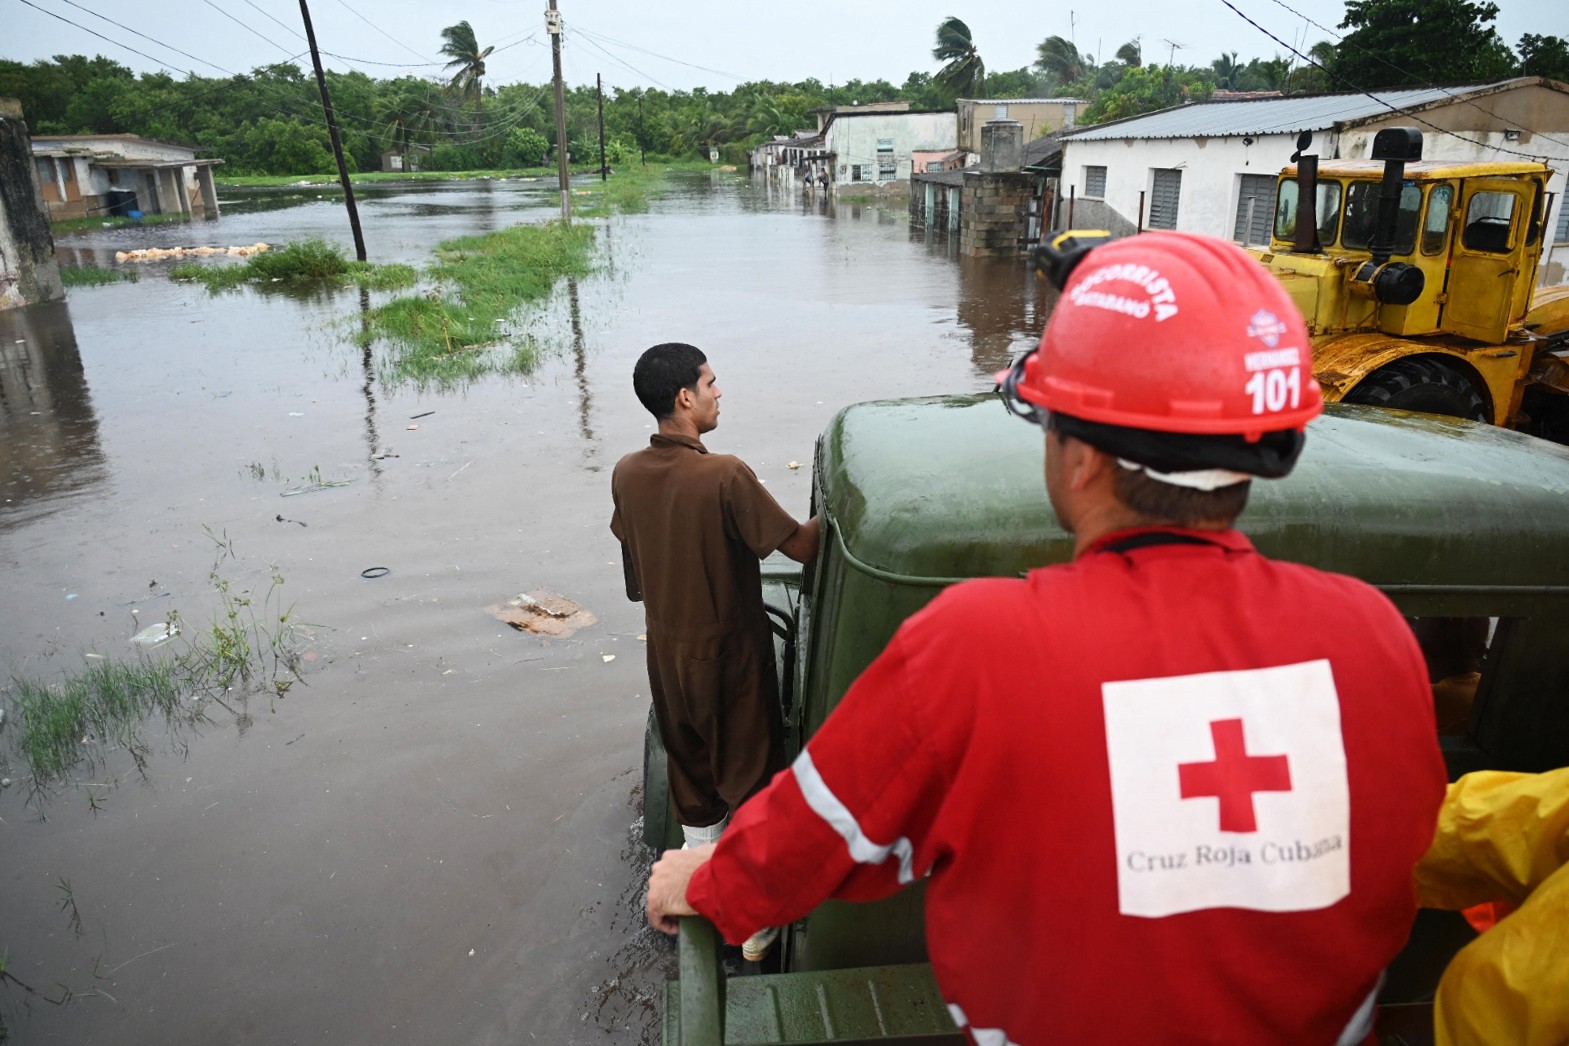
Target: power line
<point x="1387" y="105"/>
<point x="242" y="25"/>
<point x="388" y="35"/>
<point x="1368" y="52"/>
<point x="664" y="57"/>
<point x="588" y="40"/>
<point x="268" y="14"/>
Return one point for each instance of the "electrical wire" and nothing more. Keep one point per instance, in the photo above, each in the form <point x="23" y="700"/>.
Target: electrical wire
<point x="1380" y="59"/>
<point x="383" y="32"/>
<point x="664" y="57"/>
<point x="1387" y="105"/>
<point x="267" y="14"/>
<point x="592" y="43"/>
<point x="242" y="25"/>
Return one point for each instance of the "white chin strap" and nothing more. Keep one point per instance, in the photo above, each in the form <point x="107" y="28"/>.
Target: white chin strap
<point x="1199" y="479"/>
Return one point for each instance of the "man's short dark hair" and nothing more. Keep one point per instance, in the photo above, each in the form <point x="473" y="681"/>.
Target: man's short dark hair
<point x="662" y="372"/>
<point x="1179" y="506"/>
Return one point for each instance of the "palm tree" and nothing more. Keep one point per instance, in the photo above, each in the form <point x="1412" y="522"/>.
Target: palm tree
<point x="1131" y="53"/>
<point x="963" y="72"/>
<point x="1061" y="61"/>
<point x="467" y="59"/>
<point x="1226" y="71"/>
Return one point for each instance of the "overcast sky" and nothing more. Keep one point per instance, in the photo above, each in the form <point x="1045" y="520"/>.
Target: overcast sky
<point x="678" y="46"/>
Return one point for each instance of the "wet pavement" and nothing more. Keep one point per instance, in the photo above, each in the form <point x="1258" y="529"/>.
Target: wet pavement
<point x="434" y="839"/>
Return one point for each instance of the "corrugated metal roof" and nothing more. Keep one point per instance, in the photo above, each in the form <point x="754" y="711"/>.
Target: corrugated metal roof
<point x="1265" y="115"/>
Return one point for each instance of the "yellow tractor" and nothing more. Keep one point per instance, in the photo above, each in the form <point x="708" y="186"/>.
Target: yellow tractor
<point x="1418" y="281"/>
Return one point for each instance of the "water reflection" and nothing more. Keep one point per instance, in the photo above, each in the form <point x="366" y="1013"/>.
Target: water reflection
<point x="368" y="388"/>
<point x="1004" y="308"/>
<point x="49" y="448"/>
<point x="585" y="399"/>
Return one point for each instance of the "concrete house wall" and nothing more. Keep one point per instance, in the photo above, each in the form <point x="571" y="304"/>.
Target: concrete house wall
<point x="1039" y="116"/>
<point x="854" y="140"/>
<point x="78" y="173"/>
<point x="28" y="270"/>
<point x="1520" y="119"/>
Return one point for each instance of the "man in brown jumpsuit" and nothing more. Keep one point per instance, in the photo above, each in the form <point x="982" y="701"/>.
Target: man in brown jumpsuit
<point x="693" y="526"/>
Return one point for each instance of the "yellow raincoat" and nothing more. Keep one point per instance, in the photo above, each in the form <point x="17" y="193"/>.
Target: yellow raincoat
<point x="1504" y="837"/>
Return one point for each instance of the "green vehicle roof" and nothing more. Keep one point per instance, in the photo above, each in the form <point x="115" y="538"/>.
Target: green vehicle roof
<point x="930" y="491"/>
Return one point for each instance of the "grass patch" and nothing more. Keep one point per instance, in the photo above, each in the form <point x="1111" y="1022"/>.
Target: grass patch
<point x="313" y="260"/>
<point x="248" y="648"/>
<point x="88" y="276"/>
<point x="105" y="221"/>
<point x="452" y="334"/>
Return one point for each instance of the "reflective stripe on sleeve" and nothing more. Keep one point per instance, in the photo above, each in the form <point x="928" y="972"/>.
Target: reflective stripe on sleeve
<point x="1360" y="1026"/>
<point x="983" y="1036"/>
<point x="827" y="806"/>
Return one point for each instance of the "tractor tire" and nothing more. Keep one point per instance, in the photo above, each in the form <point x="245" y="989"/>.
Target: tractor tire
<point x="1421" y="384"/>
<point x="658" y="816"/>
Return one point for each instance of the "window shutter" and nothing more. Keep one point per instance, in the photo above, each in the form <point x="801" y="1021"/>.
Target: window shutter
<point x="1163" y="201"/>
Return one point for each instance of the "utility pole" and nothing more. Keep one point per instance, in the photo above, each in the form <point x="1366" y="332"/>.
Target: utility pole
<point x="642" y="150"/>
<point x="332" y="132"/>
<point x="553" y="27"/>
<point x="599" y="86"/>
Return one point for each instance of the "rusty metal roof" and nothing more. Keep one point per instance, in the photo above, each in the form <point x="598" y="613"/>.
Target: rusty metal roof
<point x="1269" y="115"/>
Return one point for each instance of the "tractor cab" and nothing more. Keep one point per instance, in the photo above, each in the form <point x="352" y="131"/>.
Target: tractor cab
<point x="1418" y="282"/>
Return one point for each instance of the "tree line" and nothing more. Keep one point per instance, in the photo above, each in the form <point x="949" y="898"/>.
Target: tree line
<point x="269" y="120"/>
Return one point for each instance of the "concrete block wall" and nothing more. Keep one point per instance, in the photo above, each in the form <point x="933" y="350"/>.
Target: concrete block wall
<point x="28" y="270"/>
<point x="992" y="210"/>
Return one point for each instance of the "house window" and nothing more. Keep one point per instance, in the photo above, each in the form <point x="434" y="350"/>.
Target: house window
<point x="1255" y="208"/>
<point x="1561" y="231"/>
<point x="1070" y="112"/>
<point x="1095" y="182"/>
<point x="887" y="166"/>
<point x="45" y="169"/>
<point x="1000" y="112"/>
<point x="1167" y="190"/>
<point x="860" y="172"/>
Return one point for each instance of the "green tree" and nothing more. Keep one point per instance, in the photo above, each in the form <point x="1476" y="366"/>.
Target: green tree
<point x="963" y="74"/>
<point x="1147" y="88"/>
<point x="1061" y="62"/>
<point x="1544" y="56"/>
<point x="467" y="64"/>
<point x="1399" y="43"/>
<point x="1227" y="71"/>
<point x="1131" y="53"/>
<point x="1312" y="77"/>
<point x="526" y="147"/>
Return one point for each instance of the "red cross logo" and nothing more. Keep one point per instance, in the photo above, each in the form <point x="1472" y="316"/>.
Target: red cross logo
<point x="1234" y="776"/>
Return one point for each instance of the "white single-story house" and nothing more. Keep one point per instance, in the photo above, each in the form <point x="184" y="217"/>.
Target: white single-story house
<point x="1210" y="167"/>
<point x="92" y="174"/>
<point x="874" y="151"/>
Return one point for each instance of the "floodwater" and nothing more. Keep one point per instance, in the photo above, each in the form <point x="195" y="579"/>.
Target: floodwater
<point x="434" y="838"/>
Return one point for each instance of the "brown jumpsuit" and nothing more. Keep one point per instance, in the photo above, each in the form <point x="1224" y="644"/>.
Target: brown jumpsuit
<point x="694" y="526"/>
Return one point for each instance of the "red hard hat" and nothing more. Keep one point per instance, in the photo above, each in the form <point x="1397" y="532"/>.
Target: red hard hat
<point x="1173" y="332"/>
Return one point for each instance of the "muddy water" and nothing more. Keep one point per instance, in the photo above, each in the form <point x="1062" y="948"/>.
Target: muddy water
<point x="434" y="839"/>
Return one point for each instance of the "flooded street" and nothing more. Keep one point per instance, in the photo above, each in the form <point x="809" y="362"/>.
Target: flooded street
<point x="433" y="838"/>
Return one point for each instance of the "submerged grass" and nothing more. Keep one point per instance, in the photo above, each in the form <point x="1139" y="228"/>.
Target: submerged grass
<point x="457" y="332"/>
<point x="87" y="276"/>
<point x="313" y="260"/>
<point x="107" y="221"/>
<point x="249" y="648"/>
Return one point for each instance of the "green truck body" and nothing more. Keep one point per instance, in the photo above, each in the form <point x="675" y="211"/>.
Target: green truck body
<point x="1449" y="518"/>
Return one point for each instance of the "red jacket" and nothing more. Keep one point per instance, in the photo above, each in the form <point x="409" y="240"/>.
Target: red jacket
<point x="1173" y="793"/>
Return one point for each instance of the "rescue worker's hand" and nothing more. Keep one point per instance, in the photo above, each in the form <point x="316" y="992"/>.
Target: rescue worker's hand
<point x="667" y="886"/>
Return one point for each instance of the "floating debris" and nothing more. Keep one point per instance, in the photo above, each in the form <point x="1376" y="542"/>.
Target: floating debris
<point x="153" y="635"/>
<point x="148" y="254"/>
<point x="314" y="487"/>
<point x="542" y="612"/>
